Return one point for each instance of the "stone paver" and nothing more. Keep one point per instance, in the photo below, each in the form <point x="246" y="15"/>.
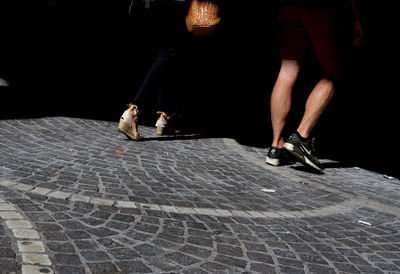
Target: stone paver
<point x="71" y="202"/>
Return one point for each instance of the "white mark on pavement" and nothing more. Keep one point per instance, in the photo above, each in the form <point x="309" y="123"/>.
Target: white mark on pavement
<point x="267" y="190"/>
<point x="339" y="208"/>
<point x="364" y="223"/>
<point x="29" y="245"/>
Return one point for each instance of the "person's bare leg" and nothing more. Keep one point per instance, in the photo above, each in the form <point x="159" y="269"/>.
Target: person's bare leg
<point x="281" y="98"/>
<point x="315" y="106"/>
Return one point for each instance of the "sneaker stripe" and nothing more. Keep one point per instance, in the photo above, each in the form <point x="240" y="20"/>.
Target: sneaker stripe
<point x="303" y="148"/>
<point x="295" y="151"/>
<point x="310" y="163"/>
<point x="300" y="155"/>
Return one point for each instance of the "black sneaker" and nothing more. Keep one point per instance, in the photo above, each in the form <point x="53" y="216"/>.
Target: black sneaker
<point x="278" y="156"/>
<point x="304" y="151"/>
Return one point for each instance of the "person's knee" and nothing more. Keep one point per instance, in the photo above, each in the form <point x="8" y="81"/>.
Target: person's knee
<point x="329" y="82"/>
<point x="289" y="71"/>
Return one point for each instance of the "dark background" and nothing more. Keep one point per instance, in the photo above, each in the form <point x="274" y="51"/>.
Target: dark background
<point x="88" y="58"/>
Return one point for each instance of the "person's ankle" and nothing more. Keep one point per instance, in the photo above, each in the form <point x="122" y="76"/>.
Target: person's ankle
<point x="164" y="115"/>
<point x="303" y="139"/>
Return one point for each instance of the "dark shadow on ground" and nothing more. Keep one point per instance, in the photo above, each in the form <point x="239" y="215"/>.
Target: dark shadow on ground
<point x="89" y="63"/>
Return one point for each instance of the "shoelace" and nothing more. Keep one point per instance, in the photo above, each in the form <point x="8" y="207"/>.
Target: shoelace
<point x="163" y="115"/>
<point x="135" y="107"/>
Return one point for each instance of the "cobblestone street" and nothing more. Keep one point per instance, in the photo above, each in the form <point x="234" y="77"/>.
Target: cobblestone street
<point x="76" y="196"/>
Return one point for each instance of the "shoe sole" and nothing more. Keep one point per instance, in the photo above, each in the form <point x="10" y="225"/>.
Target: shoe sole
<point x="300" y="155"/>
<point x="272" y="161"/>
<point x="126" y="129"/>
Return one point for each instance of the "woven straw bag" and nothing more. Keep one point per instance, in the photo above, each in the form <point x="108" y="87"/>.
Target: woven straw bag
<point x="202" y="17"/>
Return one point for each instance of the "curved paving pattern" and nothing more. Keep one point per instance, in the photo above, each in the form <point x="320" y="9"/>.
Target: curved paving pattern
<point x="31" y="249"/>
<point x="101" y="203"/>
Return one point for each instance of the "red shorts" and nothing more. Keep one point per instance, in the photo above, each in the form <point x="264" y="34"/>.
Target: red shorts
<point x="312" y="29"/>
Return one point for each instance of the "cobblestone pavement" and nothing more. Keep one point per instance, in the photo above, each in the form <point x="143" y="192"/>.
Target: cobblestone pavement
<point x="76" y="196"/>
